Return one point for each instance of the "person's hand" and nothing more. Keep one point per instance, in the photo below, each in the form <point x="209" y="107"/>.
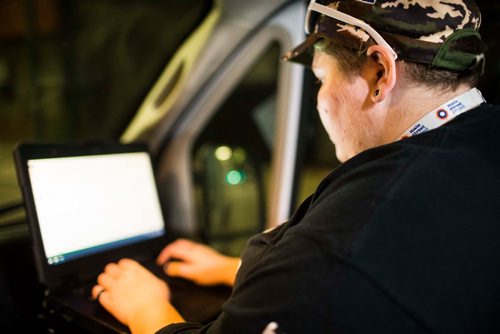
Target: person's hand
<point x="135" y="296"/>
<point x="198" y="263"/>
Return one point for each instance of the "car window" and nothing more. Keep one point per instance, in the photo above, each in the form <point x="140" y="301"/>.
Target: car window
<point x="78" y="70"/>
<point x="316" y="153"/>
<point x="232" y="158"/>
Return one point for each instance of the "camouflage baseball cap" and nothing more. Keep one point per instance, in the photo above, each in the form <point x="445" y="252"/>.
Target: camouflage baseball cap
<point x="443" y="34"/>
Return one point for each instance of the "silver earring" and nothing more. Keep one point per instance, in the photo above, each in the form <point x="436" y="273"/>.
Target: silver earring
<point x="377" y="92"/>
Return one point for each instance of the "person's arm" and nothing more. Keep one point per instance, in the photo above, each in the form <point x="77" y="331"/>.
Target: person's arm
<point x="140" y="300"/>
<point x="280" y="289"/>
<point x="136" y="297"/>
<point x="198" y="263"/>
<point x="146" y="322"/>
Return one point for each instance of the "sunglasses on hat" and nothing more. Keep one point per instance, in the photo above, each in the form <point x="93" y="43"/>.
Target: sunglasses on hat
<point x="312" y="15"/>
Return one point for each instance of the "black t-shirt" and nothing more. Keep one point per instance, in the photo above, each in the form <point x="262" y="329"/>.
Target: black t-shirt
<point x="402" y="238"/>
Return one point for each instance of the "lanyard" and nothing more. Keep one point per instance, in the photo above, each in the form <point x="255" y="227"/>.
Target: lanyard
<point x="445" y="113"/>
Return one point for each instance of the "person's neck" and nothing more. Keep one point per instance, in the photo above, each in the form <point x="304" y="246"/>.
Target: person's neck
<point x="414" y="103"/>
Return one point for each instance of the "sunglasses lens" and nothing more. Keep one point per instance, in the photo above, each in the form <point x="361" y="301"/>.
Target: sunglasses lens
<point x="312" y="18"/>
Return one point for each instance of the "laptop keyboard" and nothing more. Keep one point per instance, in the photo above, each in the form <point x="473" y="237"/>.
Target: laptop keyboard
<point x="195" y="303"/>
<point x="85" y="290"/>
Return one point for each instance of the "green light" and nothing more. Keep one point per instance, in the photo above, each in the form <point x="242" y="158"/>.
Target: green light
<point x="234" y="177"/>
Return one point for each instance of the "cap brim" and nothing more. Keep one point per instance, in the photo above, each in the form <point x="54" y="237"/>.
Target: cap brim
<point x="302" y="53"/>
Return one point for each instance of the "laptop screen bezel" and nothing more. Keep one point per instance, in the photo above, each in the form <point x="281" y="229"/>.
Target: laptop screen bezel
<point x="88" y="266"/>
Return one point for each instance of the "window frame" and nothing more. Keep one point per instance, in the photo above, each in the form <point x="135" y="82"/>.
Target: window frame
<point x="174" y="160"/>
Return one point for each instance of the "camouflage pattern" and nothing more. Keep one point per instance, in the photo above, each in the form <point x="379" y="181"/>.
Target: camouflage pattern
<point x="422" y="31"/>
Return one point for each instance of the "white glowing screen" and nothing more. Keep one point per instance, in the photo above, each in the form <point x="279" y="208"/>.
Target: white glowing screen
<point x="86" y="202"/>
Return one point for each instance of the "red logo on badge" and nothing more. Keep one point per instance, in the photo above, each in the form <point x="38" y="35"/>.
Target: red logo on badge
<point x="442" y="114"/>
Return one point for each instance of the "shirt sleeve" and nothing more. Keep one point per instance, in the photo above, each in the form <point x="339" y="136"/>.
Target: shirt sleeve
<point x="276" y="293"/>
<point x="185" y="328"/>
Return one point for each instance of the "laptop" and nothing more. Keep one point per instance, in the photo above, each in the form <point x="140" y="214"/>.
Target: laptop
<point x="91" y="204"/>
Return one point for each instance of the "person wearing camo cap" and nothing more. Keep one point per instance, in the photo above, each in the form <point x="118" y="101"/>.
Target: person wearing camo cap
<point x="404" y="236"/>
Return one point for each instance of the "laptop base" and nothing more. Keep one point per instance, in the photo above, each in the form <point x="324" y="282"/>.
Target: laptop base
<point x="195" y="303"/>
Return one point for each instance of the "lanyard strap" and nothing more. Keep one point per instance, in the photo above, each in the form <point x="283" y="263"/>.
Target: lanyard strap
<point x="445" y="113"/>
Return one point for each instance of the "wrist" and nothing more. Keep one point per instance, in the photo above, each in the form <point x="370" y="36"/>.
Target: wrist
<point x="229" y="269"/>
<point x="151" y="318"/>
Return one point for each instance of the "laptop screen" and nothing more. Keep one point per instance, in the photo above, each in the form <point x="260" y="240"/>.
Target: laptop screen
<point x="87" y="204"/>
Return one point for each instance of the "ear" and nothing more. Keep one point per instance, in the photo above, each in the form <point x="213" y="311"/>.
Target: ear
<point x="385" y="68"/>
